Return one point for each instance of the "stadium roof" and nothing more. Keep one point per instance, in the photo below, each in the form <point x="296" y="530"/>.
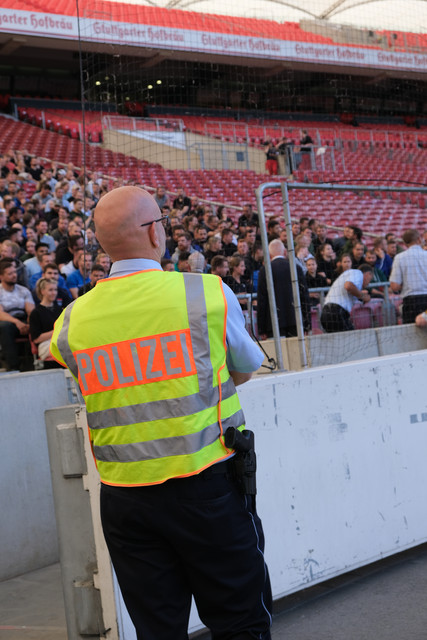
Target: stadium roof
<point x="403" y="15"/>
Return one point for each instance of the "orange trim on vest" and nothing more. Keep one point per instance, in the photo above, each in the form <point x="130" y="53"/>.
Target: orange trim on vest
<point x="186" y="475"/>
<point x="128" y="275"/>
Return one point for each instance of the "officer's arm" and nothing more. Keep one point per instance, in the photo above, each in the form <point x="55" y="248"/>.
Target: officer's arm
<point x="240" y="378"/>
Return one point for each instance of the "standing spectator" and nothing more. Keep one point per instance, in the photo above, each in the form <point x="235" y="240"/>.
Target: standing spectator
<point x="357" y="255"/>
<point x="409" y="276"/>
<point x="236" y="280"/>
<point x="314" y="281"/>
<point x="306" y="147"/>
<point x="16" y="304"/>
<point x="349" y="287"/>
<point x="247" y="219"/>
<point x="326" y="265"/>
<point x="271" y="163"/>
<point x="283" y="293"/>
<point x="384" y="261"/>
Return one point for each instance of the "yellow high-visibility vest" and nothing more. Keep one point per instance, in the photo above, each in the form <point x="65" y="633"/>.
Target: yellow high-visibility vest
<point x="149" y="353"/>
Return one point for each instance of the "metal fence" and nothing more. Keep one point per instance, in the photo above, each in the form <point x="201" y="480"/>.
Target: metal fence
<point x="284" y="189"/>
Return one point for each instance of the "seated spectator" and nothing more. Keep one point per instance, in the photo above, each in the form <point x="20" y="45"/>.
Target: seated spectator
<point x="273" y="229"/>
<point x="51" y="272"/>
<point x="213" y="247"/>
<point x="30" y="250"/>
<point x="349" y="287"/>
<point x="167" y="264"/>
<point x="181" y="202"/>
<point x="60" y="233"/>
<point x="65" y="251"/>
<point x="191" y="221"/>
<point x="43" y="317"/>
<point x="104" y="260"/>
<point x="16" y="304"/>
<point x="73" y="265"/>
<point x="45" y="263"/>
<point x="172" y="241"/>
<point x="197" y="262"/>
<point x="81" y="276"/>
<point x="182" y="263"/>
<point x="220" y="266"/>
<point x="183" y="245"/>
<point x="314" y="281"/>
<point x="35" y="169"/>
<point x="200" y="237"/>
<point x="161" y="197"/>
<point x="33" y="265"/>
<point x="4" y="227"/>
<point x="96" y="273"/>
<point x="42" y="197"/>
<point x="11" y="250"/>
<point x="326" y="265"/>
<point x="43" y="236"/>
<point x="229" y="243"/>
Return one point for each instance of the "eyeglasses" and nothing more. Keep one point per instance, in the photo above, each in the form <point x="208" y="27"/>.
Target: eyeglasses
<point x="163" y="220"/>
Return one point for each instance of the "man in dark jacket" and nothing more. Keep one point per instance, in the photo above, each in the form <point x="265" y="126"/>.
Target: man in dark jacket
<point x="284" y="297"/>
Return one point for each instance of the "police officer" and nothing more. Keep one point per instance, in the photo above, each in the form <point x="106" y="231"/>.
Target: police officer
<point x="157" y="356"/>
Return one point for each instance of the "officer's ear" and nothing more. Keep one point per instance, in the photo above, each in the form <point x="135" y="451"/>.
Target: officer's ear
<point x="153" y="234"/>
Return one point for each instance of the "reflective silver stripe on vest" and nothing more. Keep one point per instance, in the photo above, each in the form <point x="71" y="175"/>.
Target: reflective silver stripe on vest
<point x="63" y="343"/>
<point x="158" y="409"/>
<point x="175" y="446"/>
<point x="198" y="320"/>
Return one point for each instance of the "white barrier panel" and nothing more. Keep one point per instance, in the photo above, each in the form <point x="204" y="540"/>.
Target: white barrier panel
<point x="27" y="522"/>
<point x="342" y="474"/>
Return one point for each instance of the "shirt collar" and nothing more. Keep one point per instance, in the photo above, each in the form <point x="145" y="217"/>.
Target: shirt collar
<point x="126" y="267"/>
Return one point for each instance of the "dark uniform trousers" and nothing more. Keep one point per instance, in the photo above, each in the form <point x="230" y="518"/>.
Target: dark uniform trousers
<point x="189" y="536"/>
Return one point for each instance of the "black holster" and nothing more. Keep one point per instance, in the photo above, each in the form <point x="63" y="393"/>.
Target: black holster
<point x="244" y="460"/>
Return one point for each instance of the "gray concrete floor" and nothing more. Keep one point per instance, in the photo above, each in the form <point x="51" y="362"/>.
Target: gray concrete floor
<point x="386" y="601"/>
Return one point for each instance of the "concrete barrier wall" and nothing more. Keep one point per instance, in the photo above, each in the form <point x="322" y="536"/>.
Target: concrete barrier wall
<point x="27" y="522"/>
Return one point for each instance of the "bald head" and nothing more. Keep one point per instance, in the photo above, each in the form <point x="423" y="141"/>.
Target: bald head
<point x="276" y="248"/>
<point x="118" y="219"/>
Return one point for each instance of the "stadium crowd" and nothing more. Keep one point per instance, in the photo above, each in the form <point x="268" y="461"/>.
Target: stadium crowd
<point x="49" y="255"/>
